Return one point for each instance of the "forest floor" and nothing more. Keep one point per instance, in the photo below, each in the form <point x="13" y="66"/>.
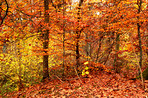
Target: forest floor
<point x="100" y="85"/>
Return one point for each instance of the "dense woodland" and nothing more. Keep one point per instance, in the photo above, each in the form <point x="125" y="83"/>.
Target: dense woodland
<point x="73" y="48"/>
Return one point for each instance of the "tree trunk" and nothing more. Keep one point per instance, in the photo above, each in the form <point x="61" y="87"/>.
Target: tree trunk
<point x="139" y="3"/>
<point x="78" y="32"/>
<point x="98" y="50"/>
<point x="46" y="41"/>
<point x="116" y="66"/>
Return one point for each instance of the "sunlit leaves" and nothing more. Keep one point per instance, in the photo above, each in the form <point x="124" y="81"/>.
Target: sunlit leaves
<point x="85" y="71"/>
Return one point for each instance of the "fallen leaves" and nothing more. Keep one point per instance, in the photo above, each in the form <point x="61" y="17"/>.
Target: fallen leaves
<point x="101" y="85"/>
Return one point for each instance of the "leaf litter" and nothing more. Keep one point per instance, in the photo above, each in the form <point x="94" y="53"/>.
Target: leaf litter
<point x="101" y="85"/>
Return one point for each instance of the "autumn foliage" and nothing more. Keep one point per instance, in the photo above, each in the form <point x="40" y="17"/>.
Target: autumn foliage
<point x="72" y="48"/>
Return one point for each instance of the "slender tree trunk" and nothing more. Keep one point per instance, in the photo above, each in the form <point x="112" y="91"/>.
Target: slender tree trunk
<point x="87" y="47"/>
<point x="77" y="50"/>
<point x="139" y="3"/>
<point x="87" y="37"/>
<point x="139" y="36"/>
<point x="63" y="39"/>
<point x="140" y="44"/>
<point x="78" y="32"/>
<point x="116" y="55"/>
<point x="46" y="41"/>
<point x="98" y="50"/>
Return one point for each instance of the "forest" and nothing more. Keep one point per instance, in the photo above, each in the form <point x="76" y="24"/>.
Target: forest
<point x="73" y="48"/>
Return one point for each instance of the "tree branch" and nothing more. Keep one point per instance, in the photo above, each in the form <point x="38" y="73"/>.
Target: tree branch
<point x="5" y="14"/>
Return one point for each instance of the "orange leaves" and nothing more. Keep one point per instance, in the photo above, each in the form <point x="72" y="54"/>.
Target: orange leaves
<point x="98" y="22"/>
<point x="94" y="67"/>
<point x="100" y="85"/>
<point x="129" y="47"/>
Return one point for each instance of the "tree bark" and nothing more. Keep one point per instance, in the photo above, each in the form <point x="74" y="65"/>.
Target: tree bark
<point x="139" y="3"/>
<point x="46" y="41"/>
<point x="116" y="66"/>
<point x="78" y="32"/>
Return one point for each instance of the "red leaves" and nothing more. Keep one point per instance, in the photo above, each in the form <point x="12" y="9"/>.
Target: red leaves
<point x="102" y="85"/>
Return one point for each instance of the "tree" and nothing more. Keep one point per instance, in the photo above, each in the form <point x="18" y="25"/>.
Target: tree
<point x="111" y="33"/>
<point x="139" y="3"/>
<point x="46" y="41"/>
<point x="78" y="34"/>
<point x="64" y="38"/>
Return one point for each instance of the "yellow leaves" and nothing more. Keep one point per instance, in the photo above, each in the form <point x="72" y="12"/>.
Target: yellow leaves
<point x="144" y="5"/>
<point x="136" y="6"/>
<point x="86" y="63"/>
<point x="27" y="84"/>
<point x="1" y="55"/>
<point x="86" y="68"/>
<point x="93" y="1"/>
<point x="85" y="71"/>
<point x="7" y="63"/>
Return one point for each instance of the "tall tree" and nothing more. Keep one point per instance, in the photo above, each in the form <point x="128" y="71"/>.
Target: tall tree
<point x="139" y="3"/>
<point x="63" y="37"/>
<point x="78" y="33"/>
<point x="46" y="41"/>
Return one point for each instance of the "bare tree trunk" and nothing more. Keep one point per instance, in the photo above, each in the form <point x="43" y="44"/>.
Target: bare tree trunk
<point x="46" y="41"/>
<point x="77" y="50"/>
<point x="139" y="3"/>
<point x="116" y="55"/>
<point x="98" y="50"/>
<point x="78" y="32"/>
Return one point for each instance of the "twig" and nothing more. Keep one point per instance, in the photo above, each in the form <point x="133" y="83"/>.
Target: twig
<point x="77" y="74"/>
<point x="58" y="78"/>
